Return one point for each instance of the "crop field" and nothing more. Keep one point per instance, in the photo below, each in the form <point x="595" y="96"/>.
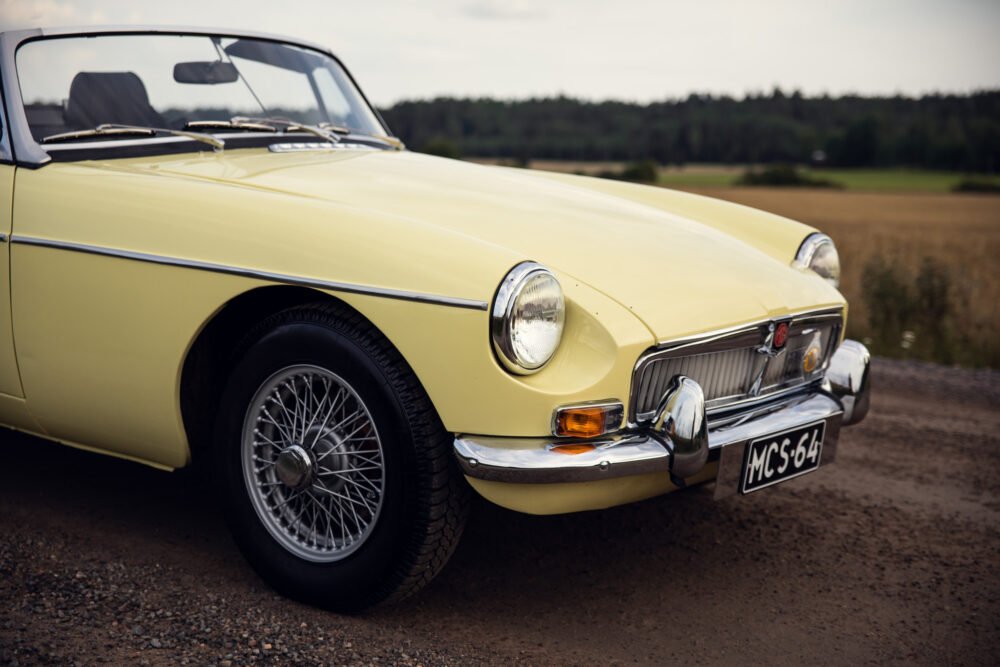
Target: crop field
<point x="919" y="270"/>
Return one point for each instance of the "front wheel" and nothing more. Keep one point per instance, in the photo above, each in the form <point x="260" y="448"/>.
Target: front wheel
<point x="335" y="471"/>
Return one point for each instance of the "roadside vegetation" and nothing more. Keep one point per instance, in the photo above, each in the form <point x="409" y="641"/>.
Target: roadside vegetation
<point x="978" y="185"/>
<point x="783" y="175"/>
<point x="918" y="267"/>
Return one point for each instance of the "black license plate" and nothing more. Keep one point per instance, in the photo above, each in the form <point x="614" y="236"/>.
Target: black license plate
<point x="781" y="456"/>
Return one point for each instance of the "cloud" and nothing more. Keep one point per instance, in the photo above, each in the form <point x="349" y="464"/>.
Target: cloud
<point x="16" y="14"/>
<point x="37" y="13"/>
<point x="511" y="10"/>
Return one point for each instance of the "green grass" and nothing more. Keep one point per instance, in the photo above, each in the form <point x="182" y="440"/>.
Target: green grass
<point x="872" y="180"/>
<point x="694" y="177"/>
<point x="896" y="179"/>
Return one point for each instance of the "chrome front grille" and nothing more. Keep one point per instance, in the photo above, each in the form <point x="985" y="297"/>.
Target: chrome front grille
<point x="720" y="374"/>
<point x="728" y="364"/>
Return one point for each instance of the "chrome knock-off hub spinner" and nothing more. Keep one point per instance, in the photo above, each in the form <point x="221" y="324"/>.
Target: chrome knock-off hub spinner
<point x="295" y="467"/>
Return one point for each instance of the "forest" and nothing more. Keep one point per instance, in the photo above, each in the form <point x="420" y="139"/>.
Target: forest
<point x="952" y="132"/>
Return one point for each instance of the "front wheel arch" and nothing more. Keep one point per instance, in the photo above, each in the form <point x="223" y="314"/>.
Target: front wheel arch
<point x="215" y="351"/>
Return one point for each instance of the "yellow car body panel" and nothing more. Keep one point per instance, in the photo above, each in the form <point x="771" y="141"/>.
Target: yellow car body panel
<point x="101" y="340"/>
<point x="566" y="497"/>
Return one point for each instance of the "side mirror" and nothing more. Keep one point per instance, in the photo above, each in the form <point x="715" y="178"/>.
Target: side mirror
<point x="205" y="72"/>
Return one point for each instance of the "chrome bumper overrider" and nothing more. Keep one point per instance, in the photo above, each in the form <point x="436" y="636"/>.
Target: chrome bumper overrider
<point x="681" y="440"/>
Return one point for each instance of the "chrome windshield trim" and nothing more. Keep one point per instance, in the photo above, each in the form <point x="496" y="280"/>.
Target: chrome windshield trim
<point x="6" y="155"/>
<point x="125" y="29"/>
<point x="403" y="295"/>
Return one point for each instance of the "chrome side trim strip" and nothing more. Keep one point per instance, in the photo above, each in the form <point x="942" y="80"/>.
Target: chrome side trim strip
<point x="3" y="238"/>
<point x="402" y="295"/>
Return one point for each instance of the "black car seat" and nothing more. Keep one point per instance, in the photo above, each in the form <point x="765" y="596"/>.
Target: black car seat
<point x="109" y="97"/>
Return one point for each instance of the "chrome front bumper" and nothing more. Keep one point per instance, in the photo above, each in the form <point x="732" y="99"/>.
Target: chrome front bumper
<point x="681" y="440"/>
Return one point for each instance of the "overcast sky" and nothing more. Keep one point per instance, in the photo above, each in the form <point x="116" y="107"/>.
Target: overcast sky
<point x="599" y="49"/>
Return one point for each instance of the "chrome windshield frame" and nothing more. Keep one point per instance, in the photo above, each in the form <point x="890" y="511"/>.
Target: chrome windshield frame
<point x="22" y="149"/>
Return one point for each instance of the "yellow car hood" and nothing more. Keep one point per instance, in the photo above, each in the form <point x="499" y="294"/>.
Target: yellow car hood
<point x="682" y="264"/>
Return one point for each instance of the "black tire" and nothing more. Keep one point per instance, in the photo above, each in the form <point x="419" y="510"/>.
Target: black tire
<point x="424" y="501"/>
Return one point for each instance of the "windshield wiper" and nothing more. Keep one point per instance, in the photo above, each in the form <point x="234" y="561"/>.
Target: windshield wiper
<point x="339" y="129"/>
<point x="328" y="134"/>
<point x="112" y="129"/>
<point x="233" y="124"/>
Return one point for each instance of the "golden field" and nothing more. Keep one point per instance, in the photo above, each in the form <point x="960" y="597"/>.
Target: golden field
<point x="959" y="232"/>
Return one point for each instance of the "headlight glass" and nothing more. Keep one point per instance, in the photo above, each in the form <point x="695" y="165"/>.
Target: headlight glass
<point x="818" y="254"/>
<point x="528" y="317"/>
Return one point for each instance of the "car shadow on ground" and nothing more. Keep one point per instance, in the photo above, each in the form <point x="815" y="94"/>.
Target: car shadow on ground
<point x="514" y="578"/>
<point x="143" y="510"/>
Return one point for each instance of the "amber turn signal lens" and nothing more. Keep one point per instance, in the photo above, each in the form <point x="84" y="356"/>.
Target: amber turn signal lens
<point x="810" y="360"/>
<point x="588" y="421"/>
<point x="581" y="422"/>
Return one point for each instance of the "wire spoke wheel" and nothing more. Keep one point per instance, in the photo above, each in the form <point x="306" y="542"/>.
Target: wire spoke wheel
<point x="313" y="463"/>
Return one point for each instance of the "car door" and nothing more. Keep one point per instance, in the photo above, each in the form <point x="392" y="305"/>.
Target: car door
<point x="10" y="381"/>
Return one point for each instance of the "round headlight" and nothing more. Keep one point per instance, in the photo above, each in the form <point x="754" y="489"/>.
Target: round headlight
<point x="818" y="254"/>
<point x="528" y="316"/>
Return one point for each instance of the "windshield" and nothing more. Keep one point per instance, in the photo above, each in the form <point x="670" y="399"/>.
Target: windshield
<point x="171" y="81"/>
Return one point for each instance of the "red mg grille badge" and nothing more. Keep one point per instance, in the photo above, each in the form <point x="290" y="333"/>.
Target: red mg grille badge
<point x="780" y="335"/>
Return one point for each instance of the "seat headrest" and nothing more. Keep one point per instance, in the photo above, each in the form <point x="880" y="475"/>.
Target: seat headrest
<point x="109" y="97"/>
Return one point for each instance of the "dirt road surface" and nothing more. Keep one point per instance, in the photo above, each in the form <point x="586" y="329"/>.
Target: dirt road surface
<point x="892" y="556"/>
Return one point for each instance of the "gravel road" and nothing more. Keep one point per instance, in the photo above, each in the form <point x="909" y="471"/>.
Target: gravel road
<point x="891" y="556"/>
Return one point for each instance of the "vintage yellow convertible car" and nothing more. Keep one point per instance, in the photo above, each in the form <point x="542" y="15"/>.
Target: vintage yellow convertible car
<point x="215" y="250"/>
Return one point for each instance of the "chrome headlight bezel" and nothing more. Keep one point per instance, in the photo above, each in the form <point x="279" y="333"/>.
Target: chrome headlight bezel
<point x="816" y="247"/>
<point x="502" y="318"/>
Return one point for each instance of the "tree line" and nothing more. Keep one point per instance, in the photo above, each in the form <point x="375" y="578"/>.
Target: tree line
<point x="956" y="132"/>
